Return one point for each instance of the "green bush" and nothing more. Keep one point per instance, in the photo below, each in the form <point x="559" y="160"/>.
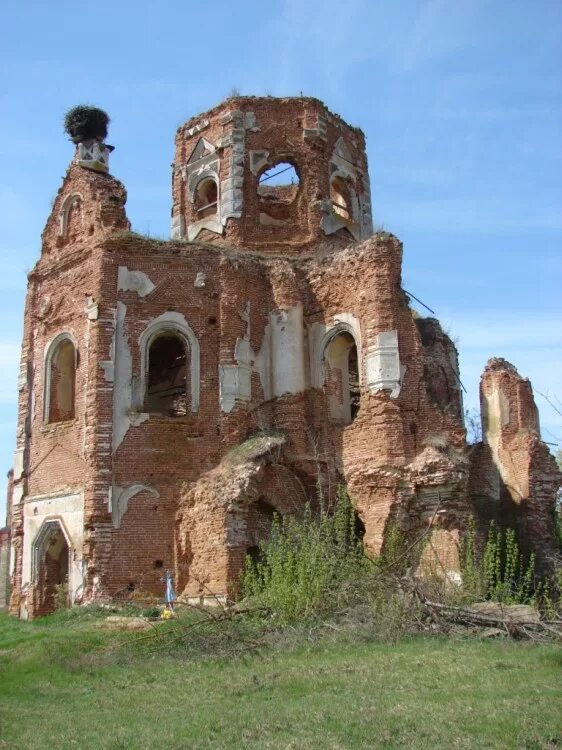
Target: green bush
<point x="504" y="574"/>
<point x="308" y="564"/>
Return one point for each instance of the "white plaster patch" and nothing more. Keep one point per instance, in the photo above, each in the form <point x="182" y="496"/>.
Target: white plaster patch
<point x="120" y="497"/>
<point x="211" y="223"/>
<point x="134" y="281"/>
<point x="383" y="364"/>
<point x="94" y="155"/>
<point x="280" y="363"/>
<point x="18" y="463"/>
<point x="177" y="231"/>
<point x="331" y="222"/>
<point x="122" y="379"/>
<point x="17" y="494"/>
<point x="235" y="384"/>
<point x="197" y="128"/>
<point x="262" y="363"/>
<point x="91" y="309"/>
<point x="287" y="350"/>
<point x="258" y="160"/>
<point x="200" y="280"/>
<point x="235" y="381"/>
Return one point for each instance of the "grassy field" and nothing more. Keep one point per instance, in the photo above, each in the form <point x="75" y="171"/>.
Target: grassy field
<point x="62" y="684"/>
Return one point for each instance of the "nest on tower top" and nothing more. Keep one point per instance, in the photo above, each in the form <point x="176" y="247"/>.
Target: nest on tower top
<point x="85" y="123"/>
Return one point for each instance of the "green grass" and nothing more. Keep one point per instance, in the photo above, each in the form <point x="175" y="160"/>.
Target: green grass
<point x="62" y="685"/>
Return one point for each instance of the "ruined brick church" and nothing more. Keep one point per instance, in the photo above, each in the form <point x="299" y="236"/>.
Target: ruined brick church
<point x="174" y="395"/>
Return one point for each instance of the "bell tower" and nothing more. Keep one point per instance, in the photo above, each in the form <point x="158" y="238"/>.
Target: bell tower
<point x="272" y="175"/>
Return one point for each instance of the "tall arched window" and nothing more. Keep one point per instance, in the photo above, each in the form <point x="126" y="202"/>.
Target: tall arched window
<point x="60" y="380"/>
<point x="206" y="198"/>
<point x="170" y="357"/>
<point x="341" y="377"/>
<point x="167" y="385"/>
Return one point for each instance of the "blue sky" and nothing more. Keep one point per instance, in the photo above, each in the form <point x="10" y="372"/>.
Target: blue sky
<point x="461" y="104"/>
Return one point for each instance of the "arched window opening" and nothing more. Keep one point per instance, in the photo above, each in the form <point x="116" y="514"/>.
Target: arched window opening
<point x="51" y="567"/>
<point x="341" y="381"/>
<point x="206" y="199"/>
<point x="278" y="187"/>
<point x="167" y="382"/>
<point x="61" y="383"/>
<point x="259" y="523"/>
<point x="340" y="198"/>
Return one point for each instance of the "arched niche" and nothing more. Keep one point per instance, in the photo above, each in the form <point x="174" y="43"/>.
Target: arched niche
<point x="70" y="215"/>
<point x="59" y="392"/>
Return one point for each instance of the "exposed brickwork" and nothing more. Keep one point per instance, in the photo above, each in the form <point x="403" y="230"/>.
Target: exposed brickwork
<point x="255" y="308"/>
<point x="515" y="477"/>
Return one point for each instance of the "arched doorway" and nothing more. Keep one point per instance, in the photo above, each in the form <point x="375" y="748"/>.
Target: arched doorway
<point x="51" y="567"/>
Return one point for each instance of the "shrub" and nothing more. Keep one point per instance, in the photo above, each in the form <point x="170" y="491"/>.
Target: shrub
<point x="84" y="122"/>
<point x="504" y="573"/>
<point x="60" y="597"/>
<point x="307" y="564"/>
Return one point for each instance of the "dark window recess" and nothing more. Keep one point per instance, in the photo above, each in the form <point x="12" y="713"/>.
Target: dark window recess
<point x="166" y="391"/>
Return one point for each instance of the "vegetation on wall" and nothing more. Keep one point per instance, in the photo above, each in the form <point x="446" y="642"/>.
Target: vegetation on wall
<point x="504" y="573"/>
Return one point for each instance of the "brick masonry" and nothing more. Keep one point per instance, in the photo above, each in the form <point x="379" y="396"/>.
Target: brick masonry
<point x="258" y="287"/>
